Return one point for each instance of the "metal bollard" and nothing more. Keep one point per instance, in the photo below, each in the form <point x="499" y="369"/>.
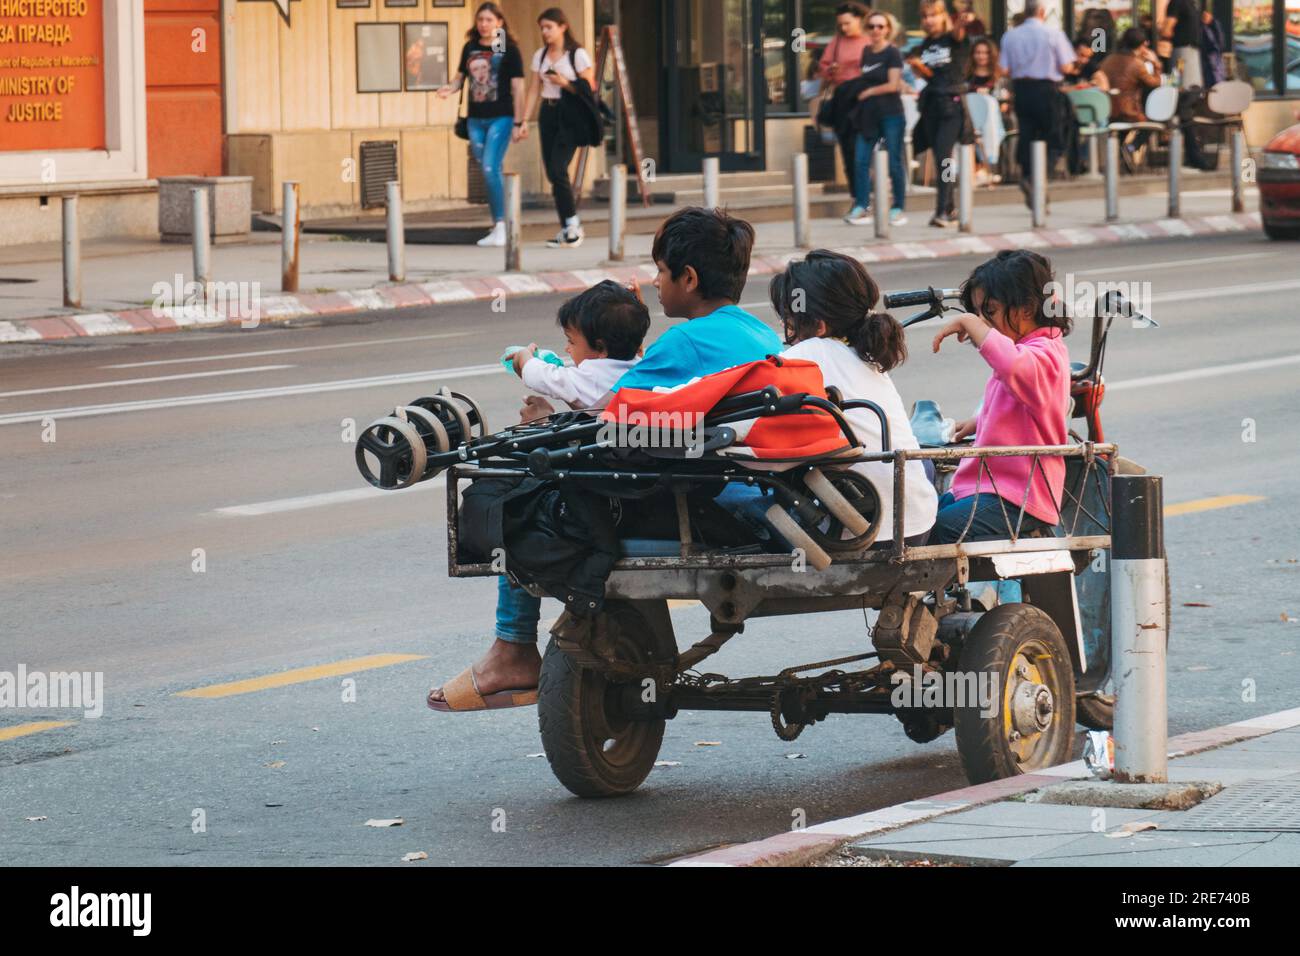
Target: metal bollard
<point x="802" y="210"/>
<point x="1175" y="171"/>
<point x="290" y="238"/>
<point x="202" y="236"/>
<point x="617" y="211"/>
<point x="712" y="182"/>
<point x="1238" y="161"/>
<point x="1038" y="164"/>
<point x="71" y="255"/>
<point x="880" y="192"/>
<point x="965" y="187"/>
<point x="1112" y="178"/>
<point x="514" y="213"/>
<point x="1139" y="628"/>
<point x="396" y="233"/>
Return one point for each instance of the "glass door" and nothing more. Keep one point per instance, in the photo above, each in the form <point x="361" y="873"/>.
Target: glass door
<point x="714" y="63"/>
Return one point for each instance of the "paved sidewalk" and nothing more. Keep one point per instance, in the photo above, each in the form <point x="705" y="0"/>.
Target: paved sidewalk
<point x="1253" y="820"/>
<point x="137" y="286"/>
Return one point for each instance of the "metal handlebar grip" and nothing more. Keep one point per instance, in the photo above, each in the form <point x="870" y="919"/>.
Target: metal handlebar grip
<point x="901" y="300"/>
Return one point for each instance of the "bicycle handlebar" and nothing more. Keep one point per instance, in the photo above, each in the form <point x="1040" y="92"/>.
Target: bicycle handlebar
<point x="931" y="296"/>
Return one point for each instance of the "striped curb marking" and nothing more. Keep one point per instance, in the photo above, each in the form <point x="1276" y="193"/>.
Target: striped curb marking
<point x="484" y="288"/>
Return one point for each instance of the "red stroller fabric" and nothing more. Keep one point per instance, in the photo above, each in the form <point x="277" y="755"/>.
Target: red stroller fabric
<point x="808" y="433"/>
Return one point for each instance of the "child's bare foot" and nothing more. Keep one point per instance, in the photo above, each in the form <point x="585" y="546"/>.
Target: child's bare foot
<point x="505" y="666"/>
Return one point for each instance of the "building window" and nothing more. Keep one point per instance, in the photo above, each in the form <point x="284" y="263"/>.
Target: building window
<point x="1290" y="42"/>
<point x="1252" y="42"/>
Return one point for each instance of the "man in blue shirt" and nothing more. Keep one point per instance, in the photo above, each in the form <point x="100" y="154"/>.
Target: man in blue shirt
<point x="702" y="256"/>
<point x="1037" y="57"/>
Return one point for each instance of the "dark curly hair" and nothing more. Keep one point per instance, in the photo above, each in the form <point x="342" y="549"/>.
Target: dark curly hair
<point x="1016" y="279"/>
<point x="836" y="289"/>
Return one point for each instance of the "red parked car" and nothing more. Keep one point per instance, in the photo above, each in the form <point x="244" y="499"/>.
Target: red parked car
<point x="1279" y="185"/>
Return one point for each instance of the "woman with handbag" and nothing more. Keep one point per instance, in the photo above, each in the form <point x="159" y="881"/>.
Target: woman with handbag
<point x="941" y="61"/>
<point x="492" y="68"/>
<point x="561" y="71"/>
<point x="841" y="61"/>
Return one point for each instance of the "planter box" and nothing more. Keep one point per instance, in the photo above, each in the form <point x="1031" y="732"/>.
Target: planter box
<point x="230" y="207"/>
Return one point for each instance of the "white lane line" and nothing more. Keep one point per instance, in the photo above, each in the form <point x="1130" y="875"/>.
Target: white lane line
<point x="144" y="381"/>
<point x="1171" y="264"/>
<point x="289" y="351"/>
<point x="322" y="500"/>
<point x="1221" y="292"/>
<point x="216" y="398"/>
<point x="1212" y="371"/>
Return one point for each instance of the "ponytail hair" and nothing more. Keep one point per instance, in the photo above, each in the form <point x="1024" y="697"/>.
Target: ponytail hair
<point x="837" y="290"/>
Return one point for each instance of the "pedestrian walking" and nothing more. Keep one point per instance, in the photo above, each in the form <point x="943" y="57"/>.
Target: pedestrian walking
<point x="1037" y="57"/>
<point x="941" y="61"/>
<point x="491" y="64"/>
<point x="841" y="61"/>
<point x="879" y="118"/>
<point x="564" y="79"/>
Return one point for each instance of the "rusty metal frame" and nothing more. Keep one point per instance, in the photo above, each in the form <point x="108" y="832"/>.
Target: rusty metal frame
<point x="1095" y="456"/>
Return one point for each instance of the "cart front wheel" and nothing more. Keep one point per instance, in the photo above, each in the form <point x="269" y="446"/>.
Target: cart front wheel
<point x="1017" y="652"/>
<point x="592" y="751"/>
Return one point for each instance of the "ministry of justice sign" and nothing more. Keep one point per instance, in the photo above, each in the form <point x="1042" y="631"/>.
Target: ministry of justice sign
<point x="51" y="75"/>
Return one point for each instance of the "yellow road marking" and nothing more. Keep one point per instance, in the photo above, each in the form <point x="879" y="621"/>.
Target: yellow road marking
<point x="1210" y="504"/>
<point x="22" y="730"/>
<point x="675" y="603"/>
<point x="299" y="675"/>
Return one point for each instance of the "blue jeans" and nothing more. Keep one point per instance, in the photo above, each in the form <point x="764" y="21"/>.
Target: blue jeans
<point x="517" y="613"/>
<point x="892" y="129"/>
<point x="488" y="140"/>
<point x="990" y="523"/>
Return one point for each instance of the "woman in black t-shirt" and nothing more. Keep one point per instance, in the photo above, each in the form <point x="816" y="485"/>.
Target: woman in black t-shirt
<point x="941" y="61"/>
<point x="491" y="63"/>
<point x="879" y="118"/>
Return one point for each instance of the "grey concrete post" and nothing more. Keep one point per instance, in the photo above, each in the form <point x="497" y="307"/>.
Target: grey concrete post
<point x="71" y="254"/>
<point x="1139" y="628"/>
<point x="290" y="238"/>
<point x="396" y="233"/>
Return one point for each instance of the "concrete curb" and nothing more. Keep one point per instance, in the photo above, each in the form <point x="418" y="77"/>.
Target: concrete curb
<point x="279" y="308"/>
<point x="800" y="847"/>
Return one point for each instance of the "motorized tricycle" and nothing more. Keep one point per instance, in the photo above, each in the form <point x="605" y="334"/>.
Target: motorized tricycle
<point x="613" y="672"/>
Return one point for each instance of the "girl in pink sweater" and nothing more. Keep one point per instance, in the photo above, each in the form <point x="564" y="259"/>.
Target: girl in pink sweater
<point x="1019" y="329"/>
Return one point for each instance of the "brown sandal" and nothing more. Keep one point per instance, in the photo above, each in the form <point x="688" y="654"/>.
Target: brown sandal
<point x="461" y="695"/>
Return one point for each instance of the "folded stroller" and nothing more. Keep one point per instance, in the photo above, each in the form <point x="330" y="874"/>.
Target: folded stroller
<point x="768" y="425"/>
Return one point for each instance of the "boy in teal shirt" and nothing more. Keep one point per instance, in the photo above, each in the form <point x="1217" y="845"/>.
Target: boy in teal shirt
<point x="703" y="260"/>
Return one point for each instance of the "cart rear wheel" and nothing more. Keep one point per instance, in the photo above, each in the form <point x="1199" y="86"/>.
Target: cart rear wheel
<point x="1029" y="670"/>
<point x="592" y="751"/>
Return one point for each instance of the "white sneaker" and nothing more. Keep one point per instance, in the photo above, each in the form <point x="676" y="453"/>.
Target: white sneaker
<point x="497" y="237"/>
<point x="896" y="218"/>
<point x="568" y="238"/>
<point x="859" y="217"/>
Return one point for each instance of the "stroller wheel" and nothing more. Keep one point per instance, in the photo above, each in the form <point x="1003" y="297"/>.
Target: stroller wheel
<point x="431" y="432"/>
<point x="791" y="530"/>
<point x="391" y="454"/>
<point x="452" y="416"/>
<point x="853" y="510"/>
<point x="475" y="414"/>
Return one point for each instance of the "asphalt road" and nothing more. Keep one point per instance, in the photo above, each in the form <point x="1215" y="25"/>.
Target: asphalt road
<point x="232" y="442"/>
